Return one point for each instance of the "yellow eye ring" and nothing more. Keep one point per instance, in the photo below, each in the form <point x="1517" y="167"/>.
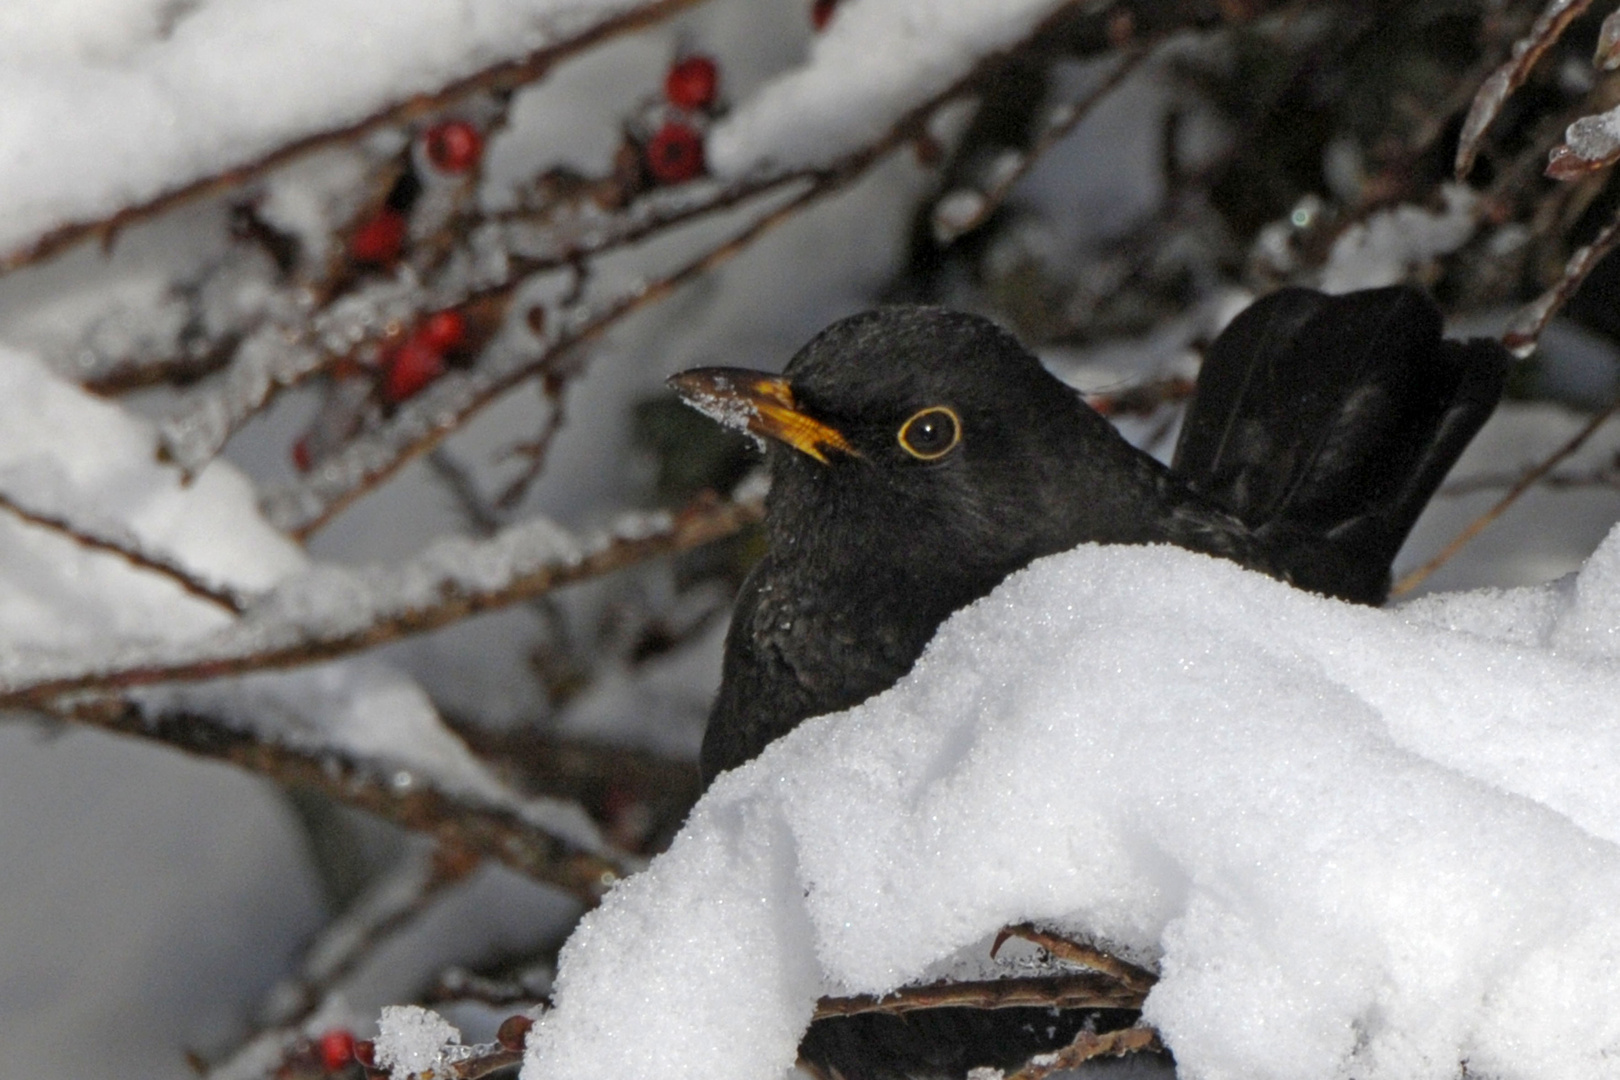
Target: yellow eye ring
<point x="931" y="433"/>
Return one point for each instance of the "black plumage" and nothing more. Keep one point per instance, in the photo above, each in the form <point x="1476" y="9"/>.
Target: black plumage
<point x="1320" y="427"/>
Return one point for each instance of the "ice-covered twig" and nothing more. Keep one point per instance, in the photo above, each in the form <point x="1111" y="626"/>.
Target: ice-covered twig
<point x="1527" y="325"/>
<point x="292" y="347"/>
<point x="459" y="821"/>
<point x="1530" y="479"/>
<point x="124" y="375"/>
<point x="106" y="536"/>
<point x="331" y="612"/>
<point x="1543" y="34"/>
<point x="1083" y="990"/>
<point x="487" y="1062"/>
<point x="504" y="76"/>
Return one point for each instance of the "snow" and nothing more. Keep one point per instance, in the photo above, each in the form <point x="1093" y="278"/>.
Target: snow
<point x="99" y="458"/>
<point x="1391" y="244"/>
<point x="61" y="603"/>
<point x="872" y="64"/>
<point x="1426" y="741"/>
<point x="409" y="1040"/>
<point x="133" y="98"/>
<point x="1355" y="842"/>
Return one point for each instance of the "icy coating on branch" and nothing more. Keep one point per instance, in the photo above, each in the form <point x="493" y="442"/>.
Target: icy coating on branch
<point x="1355" y="842"/>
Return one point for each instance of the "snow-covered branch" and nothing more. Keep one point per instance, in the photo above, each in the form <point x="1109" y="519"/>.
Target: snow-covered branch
<point x="331" y="612"/>
<point x="459" y="820"/>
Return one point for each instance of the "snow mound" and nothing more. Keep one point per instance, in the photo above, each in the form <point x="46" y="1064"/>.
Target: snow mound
<point x="1355" y="842"/>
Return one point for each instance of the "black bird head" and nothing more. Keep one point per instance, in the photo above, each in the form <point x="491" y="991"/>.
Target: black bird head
<point x="918" y="456"/>
<point x="923" y="438"/>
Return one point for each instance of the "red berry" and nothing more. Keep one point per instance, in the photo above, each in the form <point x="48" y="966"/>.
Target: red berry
<point x="692" y="83"/>
<point x="821" y="12"/>
<point x="443" y="330"/>
<point x="675" y="153"/>
<point x="513" y="1031"/>
<point x="453" y="146"/>
<point x="413" y="366"/>
<point x="337" y="1049"/>
<point x="380" y="238"/>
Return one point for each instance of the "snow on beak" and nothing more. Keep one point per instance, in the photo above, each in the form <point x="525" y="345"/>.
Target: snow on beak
<point x="760" y="404"/>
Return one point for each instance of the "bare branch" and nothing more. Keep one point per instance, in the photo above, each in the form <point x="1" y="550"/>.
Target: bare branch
<point x="127" y="547"/>
<point x="1604" y="476"/>
<point x="388" y="604"/>
<point x="1085" y="990"/>
<point x="1087" y="1046"/>
<point x="457" y="821"/>
<point x="1128" y="974"/>
<point x="1525" y="329"/>
<point x="1529" y="480"/>
<point x="391" y="904"/>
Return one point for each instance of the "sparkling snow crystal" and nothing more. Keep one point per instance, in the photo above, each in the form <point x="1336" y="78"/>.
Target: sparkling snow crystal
<point x="410" y="1040"/>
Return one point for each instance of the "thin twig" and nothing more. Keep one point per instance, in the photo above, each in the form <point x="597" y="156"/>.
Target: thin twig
<point x="1129" y="975"/>
<point x="274" y="642"/>
<point x="534" y="451"/>
<point x="458" y="821"/>
<point x="457" y="984"/>
<point x="1087" y="1046"/>
<point x="126" y="547"/>
<point x="1529" y="480"/>
<point x="1527" y="325"/>
<point x="459" y="482"/>
<point x="390" y="905"/>
<point x="1604" y="476"/>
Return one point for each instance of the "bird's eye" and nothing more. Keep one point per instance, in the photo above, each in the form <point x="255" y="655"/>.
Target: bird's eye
<point x="931" y="434"/>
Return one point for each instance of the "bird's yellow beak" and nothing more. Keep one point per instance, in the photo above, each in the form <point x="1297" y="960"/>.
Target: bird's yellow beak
<point x="759" y="403"/>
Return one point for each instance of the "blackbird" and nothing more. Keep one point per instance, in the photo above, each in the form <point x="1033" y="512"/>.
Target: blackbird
<point x="917" y="456"/>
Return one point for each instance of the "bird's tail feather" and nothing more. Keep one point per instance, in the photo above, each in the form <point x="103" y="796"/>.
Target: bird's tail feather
<point x="1326" y="423"/>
